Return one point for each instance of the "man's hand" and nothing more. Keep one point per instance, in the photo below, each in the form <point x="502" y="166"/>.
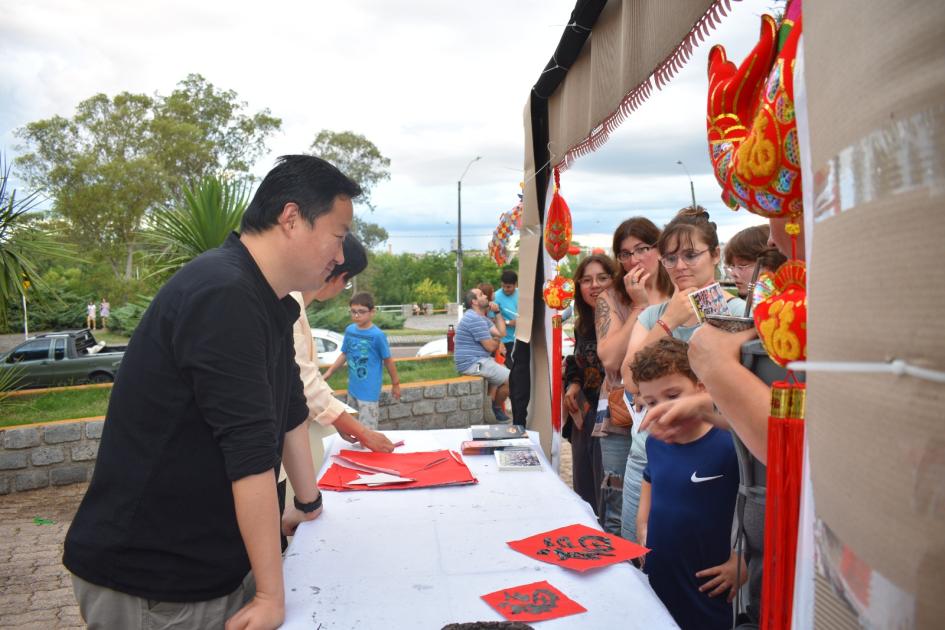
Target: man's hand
<point x="724" y="577"/>
<point x="712" y="347"/>
<point x="377" y="441"/>
<point x="667" y="419"/>
<point x="395" y="391"/>
<point x="292" y="517"/>
<point x="261" y="613"/>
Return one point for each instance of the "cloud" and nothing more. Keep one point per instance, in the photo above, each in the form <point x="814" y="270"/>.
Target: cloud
<point x="432" y="84"/>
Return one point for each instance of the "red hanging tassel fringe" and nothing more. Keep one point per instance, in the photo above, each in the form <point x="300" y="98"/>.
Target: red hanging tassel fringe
<point x="785" y="461"/>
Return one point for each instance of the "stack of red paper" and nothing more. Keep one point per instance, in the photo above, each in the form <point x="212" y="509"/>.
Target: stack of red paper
<point x="415" y="470"/>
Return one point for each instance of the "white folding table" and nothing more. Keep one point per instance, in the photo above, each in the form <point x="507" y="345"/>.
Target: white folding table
<point x="422" y="558"/>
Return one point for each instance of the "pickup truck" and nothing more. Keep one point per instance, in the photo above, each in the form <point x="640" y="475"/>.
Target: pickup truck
<point x="63" y="358"/>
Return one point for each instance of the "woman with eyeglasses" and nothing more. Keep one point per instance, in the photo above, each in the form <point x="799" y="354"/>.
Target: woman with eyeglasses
<point x="741" y="254"/>
<point x="640" y="282"/>
<point x="689" y="251"/>
<point x="584" y="374"/>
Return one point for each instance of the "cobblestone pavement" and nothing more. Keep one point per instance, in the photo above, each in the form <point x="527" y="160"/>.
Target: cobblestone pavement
<point x="35" y="589"/>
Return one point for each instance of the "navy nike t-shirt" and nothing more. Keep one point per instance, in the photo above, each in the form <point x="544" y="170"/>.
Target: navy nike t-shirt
<point x="692" y="504"/>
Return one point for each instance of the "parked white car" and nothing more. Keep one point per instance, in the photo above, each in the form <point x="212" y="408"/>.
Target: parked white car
<point x="437" y="346"/>
<point x="327" y="346"/>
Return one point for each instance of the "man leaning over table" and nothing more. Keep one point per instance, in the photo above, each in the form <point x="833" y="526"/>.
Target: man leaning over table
<point x="180" y="524"/>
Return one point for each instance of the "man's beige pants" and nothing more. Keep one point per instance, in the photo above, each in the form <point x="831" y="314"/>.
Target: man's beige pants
<point x="106" y="609"/>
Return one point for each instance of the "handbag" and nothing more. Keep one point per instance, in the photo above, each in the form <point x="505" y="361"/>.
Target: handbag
<point x="619" y="414"/>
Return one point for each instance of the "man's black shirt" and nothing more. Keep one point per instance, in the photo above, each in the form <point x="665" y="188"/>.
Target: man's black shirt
<point x="206" y="391"/>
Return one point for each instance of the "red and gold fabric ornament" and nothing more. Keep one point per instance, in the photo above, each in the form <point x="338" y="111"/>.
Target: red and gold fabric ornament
<point x="558" y="293"/>
<point x="558" y="224"/>
<point x="751" y="125"/>
<point x="781" y="318"/>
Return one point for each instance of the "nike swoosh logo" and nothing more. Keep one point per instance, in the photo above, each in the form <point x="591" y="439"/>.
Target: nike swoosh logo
<point x="696" y="479"/>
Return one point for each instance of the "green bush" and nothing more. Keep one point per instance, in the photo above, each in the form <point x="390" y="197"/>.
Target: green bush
<point x="126" y="318"/>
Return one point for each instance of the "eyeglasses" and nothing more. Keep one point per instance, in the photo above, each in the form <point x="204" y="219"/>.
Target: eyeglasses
<point x="639" y="251"/>
<point x="360" y="311"/>
<point x="602" y="278"/>
<point x="689" y="257"/>
<point x="738" y="268"/>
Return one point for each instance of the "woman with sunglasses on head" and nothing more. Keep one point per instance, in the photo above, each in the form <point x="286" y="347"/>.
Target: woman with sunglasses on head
<point x="584" y="374"/>
<point x="640" y="282"/>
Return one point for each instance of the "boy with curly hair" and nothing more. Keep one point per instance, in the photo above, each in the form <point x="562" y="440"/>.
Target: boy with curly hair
<point x="687" y="499"/>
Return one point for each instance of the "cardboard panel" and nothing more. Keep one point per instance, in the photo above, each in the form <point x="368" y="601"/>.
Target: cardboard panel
<point x="875" y="81"/>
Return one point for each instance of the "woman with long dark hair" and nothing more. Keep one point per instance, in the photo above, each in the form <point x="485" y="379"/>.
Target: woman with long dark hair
<point x="640" y="282"/>
<point x="584" y="374"/>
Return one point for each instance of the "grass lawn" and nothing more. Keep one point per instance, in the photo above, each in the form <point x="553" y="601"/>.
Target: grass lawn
<point x="83" y="403"/>
<point x="61" y="405"/>
<point x="415" y="331"/>
<point x="409" y="372"/>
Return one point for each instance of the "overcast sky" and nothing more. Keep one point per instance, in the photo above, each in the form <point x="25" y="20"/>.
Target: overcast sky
<point x="432" y="83"/>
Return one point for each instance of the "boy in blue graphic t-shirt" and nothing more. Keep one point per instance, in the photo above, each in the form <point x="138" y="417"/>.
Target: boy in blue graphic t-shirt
<point x="365" y="348"/>
<point x="687" y="500"/>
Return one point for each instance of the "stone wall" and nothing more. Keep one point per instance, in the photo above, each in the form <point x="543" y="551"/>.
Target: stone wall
<point x="60" y="453"/>
<point x="57" y="453"/>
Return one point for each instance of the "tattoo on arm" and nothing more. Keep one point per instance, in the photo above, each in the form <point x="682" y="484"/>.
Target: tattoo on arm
<point x="602" y="315"/>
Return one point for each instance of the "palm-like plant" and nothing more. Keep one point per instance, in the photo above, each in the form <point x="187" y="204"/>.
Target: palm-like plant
<point x="212" y="209"/>
<point x="19" y="243"/>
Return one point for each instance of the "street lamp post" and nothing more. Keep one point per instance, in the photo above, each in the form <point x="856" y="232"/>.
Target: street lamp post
<point x="459" y="235"/>
<point x="692" y="189"/>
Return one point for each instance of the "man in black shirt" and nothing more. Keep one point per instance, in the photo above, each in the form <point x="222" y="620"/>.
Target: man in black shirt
<point x="207" y="404"/>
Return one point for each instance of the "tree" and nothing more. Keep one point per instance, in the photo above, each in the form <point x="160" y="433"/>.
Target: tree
<point x="119" y="158"/>
<point x="358" y="158"/>
<point x="20" y="244"/>
<point x="212" y="209"/>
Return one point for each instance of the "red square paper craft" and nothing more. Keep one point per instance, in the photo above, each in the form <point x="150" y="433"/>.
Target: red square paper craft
<point x="578" y="547"/>
<point x="538" y="601"/>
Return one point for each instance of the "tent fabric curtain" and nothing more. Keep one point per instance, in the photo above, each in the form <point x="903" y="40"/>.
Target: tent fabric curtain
<point x="636" y="46"/>
<point x="610" y="57"/>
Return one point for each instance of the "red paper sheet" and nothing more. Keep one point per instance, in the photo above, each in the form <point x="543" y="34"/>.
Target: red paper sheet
<point x="578" y="547"/>
<point x="428" y="468"/>
<point x="532" y="602"/>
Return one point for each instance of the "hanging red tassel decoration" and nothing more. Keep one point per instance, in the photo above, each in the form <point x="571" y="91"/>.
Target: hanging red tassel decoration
<point x="782" y="498"/>
<point x="556" y="372"/>
<point x="557" y="291"/>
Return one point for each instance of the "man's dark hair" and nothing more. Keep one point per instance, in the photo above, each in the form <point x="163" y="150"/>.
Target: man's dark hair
<point x="509" y="277"/>
<point x="355" y="259"/>
<point x="469" y="299"/>
<point x="306" y="180"/>
<point x="364" y="299"/>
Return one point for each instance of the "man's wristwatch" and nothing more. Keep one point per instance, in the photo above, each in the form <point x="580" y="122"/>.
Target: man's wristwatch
<point x="308" y="508"/>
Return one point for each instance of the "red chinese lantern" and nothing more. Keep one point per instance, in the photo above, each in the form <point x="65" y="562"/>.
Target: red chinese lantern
<point x="558" y="224"/>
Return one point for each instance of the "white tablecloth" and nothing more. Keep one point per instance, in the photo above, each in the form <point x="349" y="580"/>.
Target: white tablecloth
<point x="422" y="558"/>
